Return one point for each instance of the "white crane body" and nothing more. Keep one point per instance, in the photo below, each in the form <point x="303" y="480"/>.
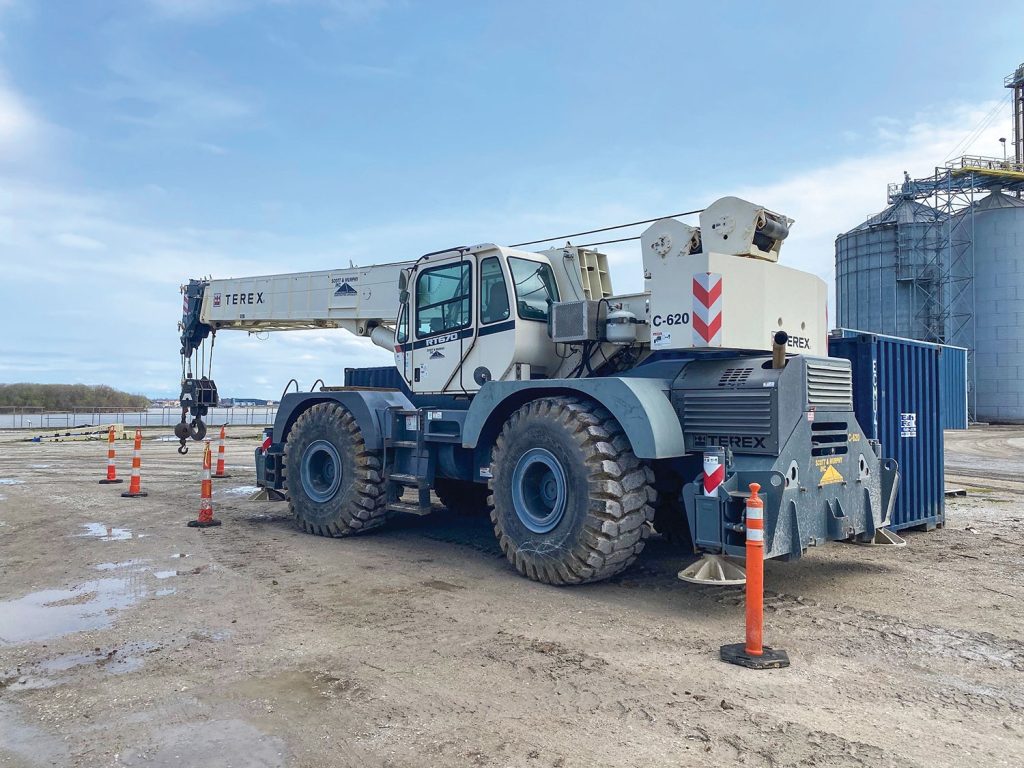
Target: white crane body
<point x="489" y="338"/>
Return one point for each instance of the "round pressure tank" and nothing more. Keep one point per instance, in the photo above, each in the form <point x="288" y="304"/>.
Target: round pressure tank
<point x="620" y="327"/>
<point x="874" y="266"/>
<point x="997" y="222"/>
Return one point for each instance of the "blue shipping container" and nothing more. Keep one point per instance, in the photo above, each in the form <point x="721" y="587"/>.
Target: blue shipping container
<point x="953" y="386"/>
<point x="896" y="397"/>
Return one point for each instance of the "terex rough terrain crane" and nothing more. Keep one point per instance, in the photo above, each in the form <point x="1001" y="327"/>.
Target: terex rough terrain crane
<point x="579" y="417"/>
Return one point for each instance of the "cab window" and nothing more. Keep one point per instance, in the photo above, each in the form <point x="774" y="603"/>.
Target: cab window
<point x="535" y="288"/>
<point x="493" y="292"/>
<point x="402" y="334"/>
<point x="443" y="299"/>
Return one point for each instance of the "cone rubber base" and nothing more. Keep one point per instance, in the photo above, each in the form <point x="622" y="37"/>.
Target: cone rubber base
<point x="772" y="658"/>
<point x="220" y="477"/>
<point x="104" y="481"/>
<point x="129" y="495"/>
<point x="197" y="524"/>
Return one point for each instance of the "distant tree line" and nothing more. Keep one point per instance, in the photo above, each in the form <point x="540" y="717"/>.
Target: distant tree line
<point x="61" y="397"/>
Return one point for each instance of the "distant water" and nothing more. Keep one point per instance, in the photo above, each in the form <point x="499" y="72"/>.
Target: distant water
<point x="152" y="417"/>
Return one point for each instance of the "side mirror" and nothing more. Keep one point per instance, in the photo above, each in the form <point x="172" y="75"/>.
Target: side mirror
<point x="403" y="296"/>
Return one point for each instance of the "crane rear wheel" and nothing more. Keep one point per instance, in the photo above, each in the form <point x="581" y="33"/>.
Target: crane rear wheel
<point x="570" y="502"/>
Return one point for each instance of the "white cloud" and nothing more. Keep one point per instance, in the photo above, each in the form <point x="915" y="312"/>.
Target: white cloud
<point x="196" y="10"/>
<point x="19" y="126"/>
<point x="79" y="242"/>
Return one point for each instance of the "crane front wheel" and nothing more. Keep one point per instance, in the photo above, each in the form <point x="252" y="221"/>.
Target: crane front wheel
<point x="570" y="502"/>
<point x="335" y="484"/>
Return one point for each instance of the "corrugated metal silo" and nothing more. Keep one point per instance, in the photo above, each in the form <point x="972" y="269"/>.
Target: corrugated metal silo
<point x="875" y="265"/>
<point x="998" y="234"/>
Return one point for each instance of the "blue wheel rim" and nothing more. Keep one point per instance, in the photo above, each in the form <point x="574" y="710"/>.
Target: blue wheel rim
<point x="321" y="471"/>
<point x="539" y="490"/>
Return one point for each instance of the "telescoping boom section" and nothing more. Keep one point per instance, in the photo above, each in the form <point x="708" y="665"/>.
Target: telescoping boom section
<point x="582" y="419"/>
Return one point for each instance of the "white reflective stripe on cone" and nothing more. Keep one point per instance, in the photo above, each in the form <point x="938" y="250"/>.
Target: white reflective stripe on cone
<point x="755" y="534"/>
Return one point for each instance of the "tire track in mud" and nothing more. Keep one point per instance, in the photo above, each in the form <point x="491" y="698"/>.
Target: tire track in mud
<point x="929" y="639"/>
<point x="603" y="697"/>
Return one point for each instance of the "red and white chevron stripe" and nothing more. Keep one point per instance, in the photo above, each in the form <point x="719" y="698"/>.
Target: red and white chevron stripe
<point x="707" y="309"/>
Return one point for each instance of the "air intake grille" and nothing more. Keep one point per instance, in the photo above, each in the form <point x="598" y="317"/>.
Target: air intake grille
<point x="743" y="412"/>
<point x="733" y="376"/>
<point x="830" y="386"/>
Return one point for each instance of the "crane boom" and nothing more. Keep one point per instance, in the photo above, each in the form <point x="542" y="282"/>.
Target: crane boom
<point x="357" y="299"/>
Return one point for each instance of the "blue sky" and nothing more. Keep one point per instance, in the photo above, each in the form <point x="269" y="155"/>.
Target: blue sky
<point x="148" y="141"/>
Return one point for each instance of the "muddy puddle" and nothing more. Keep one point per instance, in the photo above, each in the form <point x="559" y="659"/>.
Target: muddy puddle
<point x="11" y="481"/>
<point x="51" y="613"/>
<point x="47" y="673"/>
<point x="90" y="605"/>
<point x="105" y="532"/>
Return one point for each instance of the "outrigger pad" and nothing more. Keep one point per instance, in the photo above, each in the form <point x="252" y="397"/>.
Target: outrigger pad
<point x="268" y="494"/>
<point x="771" y="658"/>
<point x="884" y="538"/>
<point x="714" y="569"/>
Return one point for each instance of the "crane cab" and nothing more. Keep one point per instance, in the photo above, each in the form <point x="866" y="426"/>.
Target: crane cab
<point x="472" y="315"/>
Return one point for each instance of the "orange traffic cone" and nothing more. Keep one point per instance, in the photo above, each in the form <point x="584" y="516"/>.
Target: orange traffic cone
<point x="220" y="473"/>
<point x="135" y="484"/>
<point x="111" y="469"/>
<point x="205" y="519"/>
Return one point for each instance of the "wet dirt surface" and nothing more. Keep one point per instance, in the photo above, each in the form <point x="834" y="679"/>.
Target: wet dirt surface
<point x="128" y="639"/>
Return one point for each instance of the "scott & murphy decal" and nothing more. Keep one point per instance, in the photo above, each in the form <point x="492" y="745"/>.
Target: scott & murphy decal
<point x="343" y="286"/>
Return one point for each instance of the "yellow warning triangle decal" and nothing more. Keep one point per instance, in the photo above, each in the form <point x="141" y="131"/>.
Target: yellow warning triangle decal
<point x="830" y="475"/>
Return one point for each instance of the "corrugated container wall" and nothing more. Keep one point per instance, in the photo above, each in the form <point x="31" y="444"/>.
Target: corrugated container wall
<point x="874" y="263"/>
<point x="953" y="386"/>
<point x="896" y="400"/>
<point x="998" y="234"/>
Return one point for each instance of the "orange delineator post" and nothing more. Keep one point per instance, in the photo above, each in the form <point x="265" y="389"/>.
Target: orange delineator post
<point x="111" y="477"/>
<point x="753" y="653"/>
<point x="755" y="573"/>
<point x="220" y="473"/>
<point x="205" y="519"/>
<point x="135" y="484"/>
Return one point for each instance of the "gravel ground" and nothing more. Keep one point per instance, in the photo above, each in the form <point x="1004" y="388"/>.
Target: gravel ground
<point x="128" y="639"/>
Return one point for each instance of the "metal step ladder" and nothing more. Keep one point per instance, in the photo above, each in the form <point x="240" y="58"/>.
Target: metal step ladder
<point x="416" y="456"/>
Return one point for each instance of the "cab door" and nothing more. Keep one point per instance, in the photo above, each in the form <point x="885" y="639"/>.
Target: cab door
<point x="441" y="321"/>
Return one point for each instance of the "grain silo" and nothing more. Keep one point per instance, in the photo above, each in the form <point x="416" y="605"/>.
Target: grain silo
<point x="944" y="263"/>
<point x="997" y="224"/>
<point x="876" y="267"/>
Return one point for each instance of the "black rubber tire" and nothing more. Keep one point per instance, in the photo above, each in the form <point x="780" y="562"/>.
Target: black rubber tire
<point x="462" y="496"/>
<point x="669" y="516"/>
<point x="360" y="502"/>
<point x="609" y="493"/>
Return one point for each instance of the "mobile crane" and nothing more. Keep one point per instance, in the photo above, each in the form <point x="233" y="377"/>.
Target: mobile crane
<point x="580" y="418"/>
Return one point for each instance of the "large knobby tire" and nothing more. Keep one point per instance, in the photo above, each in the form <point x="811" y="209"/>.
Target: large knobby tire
<point x="335" y="484"/>
<point x="462" y="497"/>
<point x="570" y="502"/>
